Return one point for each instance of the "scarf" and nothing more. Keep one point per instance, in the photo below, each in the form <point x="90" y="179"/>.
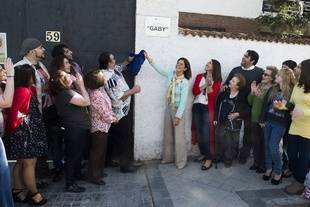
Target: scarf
<point x="171" y="89"/>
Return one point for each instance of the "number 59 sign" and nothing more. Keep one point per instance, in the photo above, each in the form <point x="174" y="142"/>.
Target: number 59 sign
<point x="52" y="36"/>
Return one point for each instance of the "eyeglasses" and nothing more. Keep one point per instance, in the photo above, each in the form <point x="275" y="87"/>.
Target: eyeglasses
<point x="266" y="74"/>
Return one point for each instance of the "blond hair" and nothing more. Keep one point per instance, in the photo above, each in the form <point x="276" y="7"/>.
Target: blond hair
<point x="288" y="83"/>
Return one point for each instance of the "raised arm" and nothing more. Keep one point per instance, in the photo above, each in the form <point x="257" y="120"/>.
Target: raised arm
<point x="83" y="98"/>
<point x="158" y="68"/>
<point x="6" y="98"/>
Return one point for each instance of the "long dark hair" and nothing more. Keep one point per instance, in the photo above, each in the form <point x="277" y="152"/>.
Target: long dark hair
<point x="58" y="64"/>
<point x="104" y="59"/>
<point x="304" y="80"/>
<point x="188" y="72"/>
<point x="217" y="71"/>
<point x="23" y="76"/>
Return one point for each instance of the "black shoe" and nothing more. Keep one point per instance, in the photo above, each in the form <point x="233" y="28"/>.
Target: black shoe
<point x="206" y="168"/>
<point x="260" y="170"/>
<point x="33" y="202"/>
<point x="74" y="188"/>
<point x="286" y="173"/>
<point x="103" y="175"/>
<point x="276" y="182"/>
<point x="112" y="164"/>
<point x="267" y="177"/>
<point x="19" y="196"/>
<point x="253" y="167"/>
<point x="128" y="170"/>
<point x="97" y="182"/>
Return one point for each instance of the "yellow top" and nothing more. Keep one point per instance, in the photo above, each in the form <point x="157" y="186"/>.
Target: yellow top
<point x="301" y="126"/>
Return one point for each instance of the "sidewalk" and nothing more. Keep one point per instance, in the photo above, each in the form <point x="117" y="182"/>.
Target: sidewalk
<point x="157" y="185"/>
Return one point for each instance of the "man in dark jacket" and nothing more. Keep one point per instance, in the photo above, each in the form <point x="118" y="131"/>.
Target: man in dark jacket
<point x="251" y="73"/>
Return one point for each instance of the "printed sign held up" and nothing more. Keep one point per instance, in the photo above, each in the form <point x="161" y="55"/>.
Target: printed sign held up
<point x="157" y="26"/>
<point x="3" y="47"/>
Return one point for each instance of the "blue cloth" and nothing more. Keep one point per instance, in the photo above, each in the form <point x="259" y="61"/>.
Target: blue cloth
<point x="6" y="199"/>
<point x="272" y="135"/>
<point x="135" y="65"/>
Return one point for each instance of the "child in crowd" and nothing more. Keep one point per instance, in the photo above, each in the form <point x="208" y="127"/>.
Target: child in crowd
<point x="230" y="108"/>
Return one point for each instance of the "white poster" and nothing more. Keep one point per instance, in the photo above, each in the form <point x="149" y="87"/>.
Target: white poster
<point x="3" y="48"/>
<point x="157" y="26"/>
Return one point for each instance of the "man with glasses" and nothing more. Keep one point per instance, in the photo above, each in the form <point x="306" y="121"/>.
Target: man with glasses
<point x="251" y="73"/>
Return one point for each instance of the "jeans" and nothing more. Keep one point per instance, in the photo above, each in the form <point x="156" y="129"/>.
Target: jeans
<point x="75" y="139"/>
<point x="6" y="199"/>
<point x="298" y="150"/>
<point x="272" y="137"/>
<point x="202" y="126"/>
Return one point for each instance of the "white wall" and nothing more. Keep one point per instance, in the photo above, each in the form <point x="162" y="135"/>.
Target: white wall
<point x="150" y="103"/>
<point x="238" y="8"/>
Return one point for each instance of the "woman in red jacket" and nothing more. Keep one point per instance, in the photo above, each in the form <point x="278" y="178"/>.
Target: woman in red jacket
<point x="26" y="136"/>
<point x="206" y="87"/>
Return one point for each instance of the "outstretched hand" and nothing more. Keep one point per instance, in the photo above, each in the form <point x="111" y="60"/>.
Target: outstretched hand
<point x="146" y="55"/>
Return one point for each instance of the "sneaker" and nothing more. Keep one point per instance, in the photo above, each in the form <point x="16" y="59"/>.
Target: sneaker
<point x="74" y="188"/>
<point x="295" y="188"/>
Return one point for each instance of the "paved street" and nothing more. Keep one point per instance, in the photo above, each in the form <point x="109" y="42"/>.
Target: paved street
<point x="157" y="185"/>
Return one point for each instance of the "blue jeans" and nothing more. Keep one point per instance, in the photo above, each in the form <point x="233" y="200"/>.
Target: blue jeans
<point x="6" y="199"/>
<point x="298" y="149"/>
<point x="202" y="126"/>
<point x="272" y="136"/>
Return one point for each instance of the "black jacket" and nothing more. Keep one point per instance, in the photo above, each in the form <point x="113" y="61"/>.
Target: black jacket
<point x="226" y="105"/>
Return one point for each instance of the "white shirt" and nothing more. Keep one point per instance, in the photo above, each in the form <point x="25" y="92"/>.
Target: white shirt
<point x="115" y="88"/>
<point x="201" y="98"/>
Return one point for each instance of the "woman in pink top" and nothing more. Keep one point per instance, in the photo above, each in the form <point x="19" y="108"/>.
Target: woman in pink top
<point x="101" y="117"/>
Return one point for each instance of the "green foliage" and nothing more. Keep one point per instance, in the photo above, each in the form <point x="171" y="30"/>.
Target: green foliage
<point x="288" y="18"/>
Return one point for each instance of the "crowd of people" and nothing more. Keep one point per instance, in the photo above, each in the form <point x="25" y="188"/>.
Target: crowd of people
<point x="64" y="107"/>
